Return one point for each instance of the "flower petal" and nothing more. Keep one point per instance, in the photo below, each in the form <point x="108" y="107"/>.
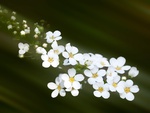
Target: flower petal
<point x="56" y="33"/>
<point x="51" y="85"/>
<point x="65" y="77"/>
<point x="129" y="96"/>
<point x="74" y="50"/>
<point x="54" y="93"/>
<point x="79" y="77"/>
<point x="134" y="89"/>
<point x="121" y="61"/>
<point x="78" y="57"/>
<point x="72" y="61"/>
<point x="97" y="94"/>
<point x="88" y="73"/>
<point x="75" y="92"/>
<point x="71" y="72"/>
<point x="129" y="83"/>
<point x="62" y="92"/>
<point x="76" y="85"/>
<point x="67" y="84"/>
<point x="105" y="94"/>
<point x="46" y="64"/>
<point x="113" y="62"/>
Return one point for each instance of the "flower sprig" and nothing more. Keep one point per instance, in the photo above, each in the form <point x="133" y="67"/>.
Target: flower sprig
<point x="104" y="75"/>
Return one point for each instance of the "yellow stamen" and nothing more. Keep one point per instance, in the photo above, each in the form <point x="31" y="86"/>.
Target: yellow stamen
<point x="59" y="87"/>
<point x="56" y="51"/>
<point x="114" y="84"/>
<point x="100" y="89"/>
<point x="52" y="37"/>
<point x="127" y="89"/>
<point x="71" y="79"/>
<point x="95" y="75"/>
<point x="118" y="68"/>
<point x="71" y="55"/>
<point x="50" y="60"/>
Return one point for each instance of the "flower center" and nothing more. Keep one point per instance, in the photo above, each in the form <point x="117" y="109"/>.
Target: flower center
<point x="71" y="55"/>
<point x="71" y="79"/>
<point x="59" y="87"/>
<point x="102" y="63"/>
<point x="56" y="51"/>
<point x="52" y="37"/>
<point x="50" y="60"/>
<point x="127" y="89"/>
<point x="95" y="75"/>
<point x="100" y="89"/>
<point x="114" y="84"/>
<point x="118" y="68"/>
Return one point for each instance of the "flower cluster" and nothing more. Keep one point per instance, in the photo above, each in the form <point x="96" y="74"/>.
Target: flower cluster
<point x="102" y="74"/>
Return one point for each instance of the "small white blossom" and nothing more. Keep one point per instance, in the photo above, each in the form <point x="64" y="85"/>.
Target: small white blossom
<point x="133" y="72"/>
<point x="71" y="54"/>
<point x="57" y="87"/>
<point x="44" y="45"/>
<point x="118" y="64"/>
<point x="113" y="84"/>
<point x="111" y="73"/>
<point x="50" y="59"/>
<point x="23" y="48"/>
<point x="50" y="36"/>
<point x="9" y="26"/>
<point x="128" y="89"/>
<point x="101" y="61"/>
<point x="89" y="59"/>
<point x="13" y="18"/>
<point x="22" y="32"/>
<point x="72" y="80"/>
<point x="57" y="49"/>
<point x="41" y="50"/>
<point x="14" y="32"/>
<point x="27" y="30"/>
<point x="37" y="31"/>
<point x="95" y="75"/>
<point x="101" y="89"/>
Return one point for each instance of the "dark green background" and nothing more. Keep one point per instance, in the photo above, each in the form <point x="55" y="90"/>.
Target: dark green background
<point x="110" y="27"/>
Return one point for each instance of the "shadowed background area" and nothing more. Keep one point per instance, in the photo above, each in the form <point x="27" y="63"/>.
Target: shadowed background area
<point x="111" y="28"/>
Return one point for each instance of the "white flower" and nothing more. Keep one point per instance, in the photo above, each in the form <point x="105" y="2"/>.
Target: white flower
<point x="101" y="61"/>
<point x="133" y="72"/>
<point x="23" y="48"/>
<point x="95" y="75"/>
<point x="57" y="87"/>
<point x="71" y="54"/>
<point x="22" y="32"/>
<point x="111" y="73"/>
<point x="118" y="64"/>
<point x="128" y="89"/>
<point x="101" y="89"/>
<point x="9" y="26"/>
<point x="89" y="59"/>
<point x="72" y="80"/>
<point x="50" y="59"/>
<point x="50" y="36"/>
<point x="27" y="30"/>
<point x="113" y="84"/>
<point x="13" y="18"/>
<point x="36" y="30"/>
<point x="41" y="50"/>
<point x="44" y="45"/>
<point x="57" y="49"/>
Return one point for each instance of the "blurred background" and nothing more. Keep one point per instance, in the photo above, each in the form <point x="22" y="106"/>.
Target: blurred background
<point x="110" y="27"/>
